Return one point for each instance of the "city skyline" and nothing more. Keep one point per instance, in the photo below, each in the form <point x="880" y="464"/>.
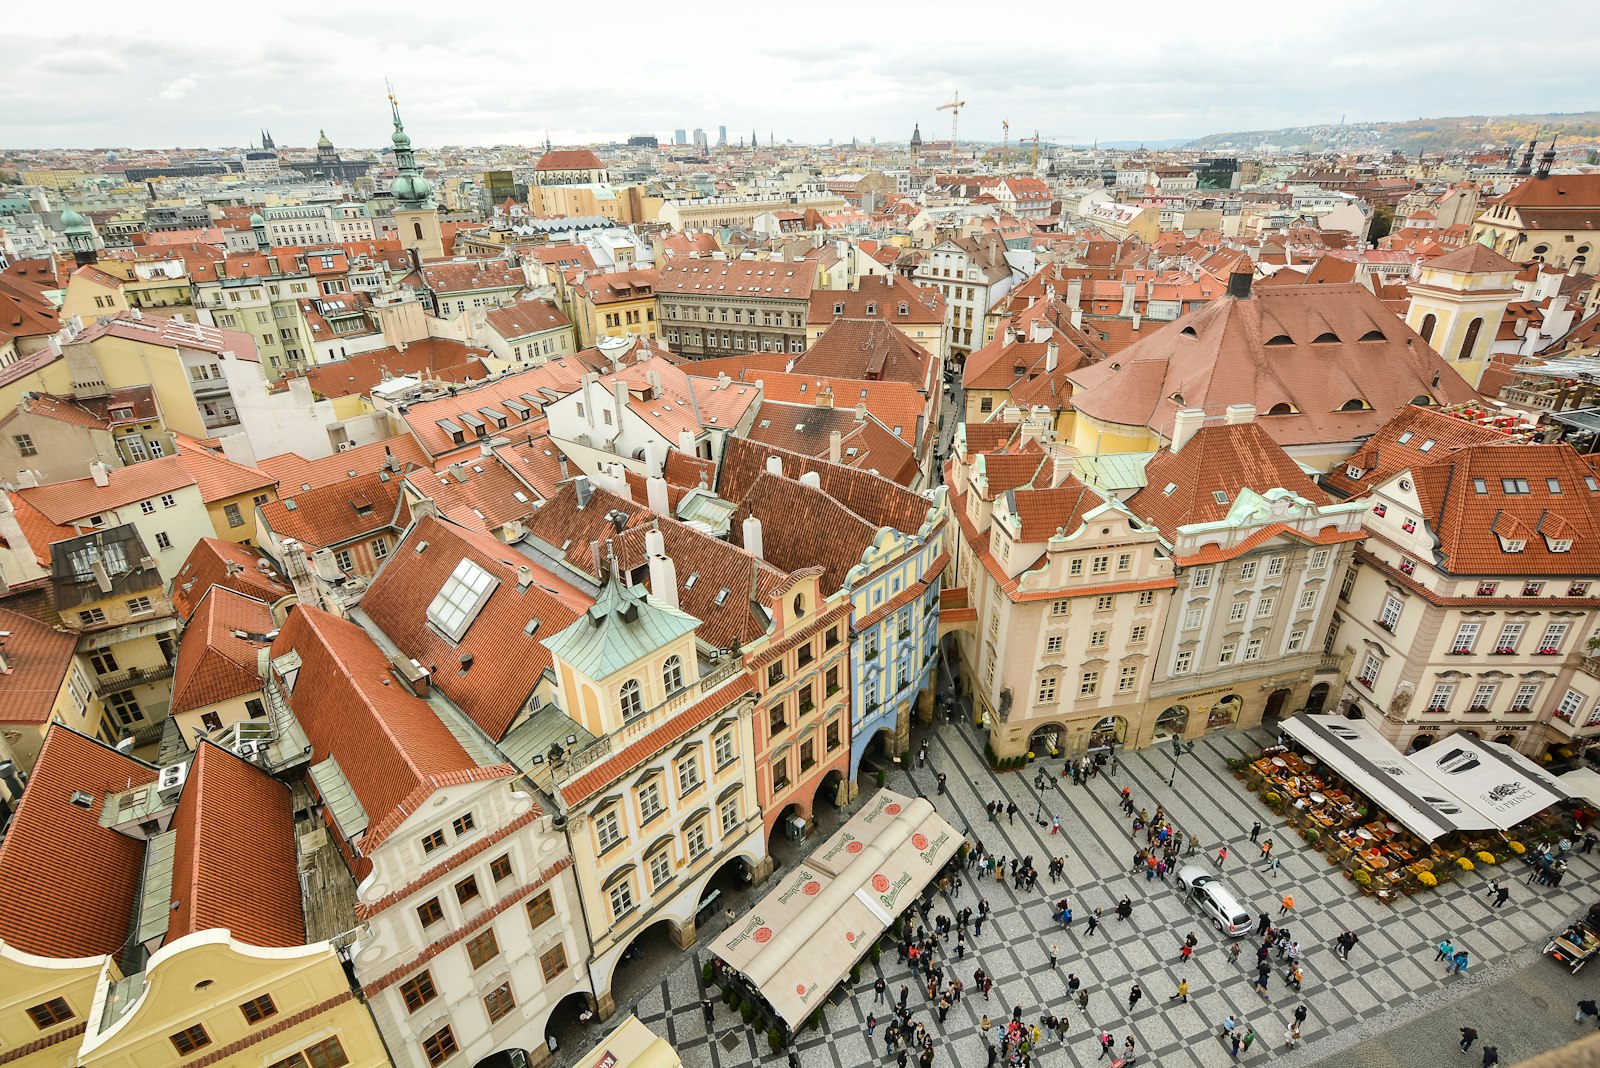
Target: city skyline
<point x="1171" y="80"/>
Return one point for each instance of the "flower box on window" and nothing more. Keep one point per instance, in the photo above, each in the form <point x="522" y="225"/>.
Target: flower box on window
<point x="1380" y="510"/>
<point x="1515" y="709"/>
<point x="1479" y="709"/>
<point x="1409" y="526"/>
<point x="1460" y="652"/>
<point x="1549" y="650"/>
<point x="1506" y="651"/>
<point x="1486" y="589"/>
<point x="1408" y="567"/>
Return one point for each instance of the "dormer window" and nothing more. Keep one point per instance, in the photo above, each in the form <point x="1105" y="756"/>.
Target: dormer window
<point x="1409" y="526"/>
<point x="1559" y="545"/>
<point x="1513" y="545"/>
<point x="905" y="309"/>
<point x="1188" y="331"/>
<point x="1354" y="404"/>
<point x="1372" y="335"/>
<point x="1280" y="339"/>
<point x="838" y="309"/>
<point x="1326" y="338"/>
<point x="872" y="309"/>
<point x="1169" y="489"/>
<point x="1281" y="408"/>
<point x="1354" y="472"/>
<point x="1220" y="496"/>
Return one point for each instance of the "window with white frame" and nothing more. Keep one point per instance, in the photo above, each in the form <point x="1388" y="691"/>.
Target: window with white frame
<point x="1275" y="567"/>
<point x="1522" y="700"/>
<point x="1308" y="600"/>
<point x="621" y="897"/>
<point x="1053" y="644"/>
<point x="1319" y="559"/>
<point x="1297" y="638"/>
<point x="1571" y="701"/>
<point x="1047" y="690"/>
<point x="724" y="748"/>
<point x="1191" y="618"/>
<point x="1236" y="612"/>
<point x="729" y="814"/>
<point x="1554" y="635"/>
<point x="608" y="830"/>
<point x="1089" y="684"/>
<point x="1368" y="675"/>
<point x="1594" y="715"/>
<point x="1247" y="571"/>
<point x="1389" y="618"/>
<point x="460" y="599"/>
<point x="1510" y="635"/>
<point x="1060" y="608"/>
<point x="660" y="868"/>
<point x="696" y="839"/>
<point x="1466" y="637"/>
<point x="1225" y="655"/>
<point x="649" y="801"/>
<point x="1202" y="578"/>
<point x="1264" y="606"/>
<point x="1128" y="679"/>
<point x="1183" y="661"/>
<point x="1252" y="649"/>
<point x="688" y="775"/>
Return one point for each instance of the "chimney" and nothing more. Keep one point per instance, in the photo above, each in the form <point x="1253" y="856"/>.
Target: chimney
<point x="100" y="473"/>
<point x="306" y="590"/>
<point x="686" y="442"/>
<point x="655" y="457"/>
<point x="561" y="459"/>
<point x="1061" y="457"/>
<point x="1077" y="317"/>
<point x="585" y="491"/>
<point x="861" y="412"/>
<point x="811" y="478"/>
<point x="1239" y="284"/>
<point x="1075" y="292"/>
<point x="1136" y="318"/>
<point x="1052" y="356"/>
<point x="655" y="491"/>
<point x="1129" y="289"/>
<point x="524" y="577"/>
<point x="835" y="447"/>
<point x="1239" y="414"/>
<point x="654" y="378"/>
<point x="663" y="572"/>
<point x="825" y="397"/>
<point x="1184" y="424"/>
<point x="774" y="465"/>
<point x="619" y="393"/>
<point x="752" y="536"/>
<point x="12" y="779"/>
<point x="1038" y="331"/>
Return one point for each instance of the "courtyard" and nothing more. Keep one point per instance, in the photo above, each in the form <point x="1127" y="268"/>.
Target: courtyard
<point x="1391" y="977"/>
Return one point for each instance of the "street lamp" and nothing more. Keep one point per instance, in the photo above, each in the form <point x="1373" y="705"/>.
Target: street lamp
<point x="1179" y="748"/>
<point x="1040" y="782"/>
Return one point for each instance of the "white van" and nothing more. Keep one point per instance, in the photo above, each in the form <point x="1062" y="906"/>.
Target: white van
<point x="1215" y="901"/>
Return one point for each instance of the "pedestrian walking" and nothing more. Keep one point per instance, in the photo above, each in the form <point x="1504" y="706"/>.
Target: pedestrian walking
<point x="1107" y="1044"/>
<point x="1183" y="992"/>
<point x="1234" y="949"/>
<point x="1501" y="896"/>
<point x="1291" y="1035"/>
<point x="922" y="756"/>
<point x="1266" y="849"/>
<point x="1446" y="950"/>
<point x="880" y="991"/>
<point x="1262" y="977"/>
<point x="872" y="1024"/>
<point x="1094" y="921"/>
<point x="1255" y="830"/>
<point x="941" y="782"/>
<point x="1011" y="812"/>
<point x="1494" y="886"/>
<point x="1127" y="1051"/>
<point x="1469" y="1035"/>
<point x="1083" y="1000"/>
<point x="1222" y="856"/>
<point x="1263" y="924"/>
<point x="1288" y="903"/>
<point x="1249" y="1037"/>
<point x="1460" y="960"/>
<point x="1491" y="1056"/>
<point x="1055" y="825"/>
<point x="1237" y="1042"/>
<point x="1052" y="954"/>
<point x="1134" y="994"/>
<point x="708" y="1007"/>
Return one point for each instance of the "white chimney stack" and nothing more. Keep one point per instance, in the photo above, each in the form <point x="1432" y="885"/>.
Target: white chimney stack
<point x="752" y="536"/>
<point x="686" y="442"/>
<point x="811" y="478"/>
<point x="1238" y="414"/>
<point x="1184" y="425"/>
<point x="1052" y="356"/>
<point x="655" y="489"/>
<point x="100" y="473"/>
<point x="663" y="572"/>
<point x="774" y="465"/>
<point x="835" y="447"/>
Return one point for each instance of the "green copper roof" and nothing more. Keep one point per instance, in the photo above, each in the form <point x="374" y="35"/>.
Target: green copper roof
<point x="622" y="628"/>
<point x="72" y="221"/>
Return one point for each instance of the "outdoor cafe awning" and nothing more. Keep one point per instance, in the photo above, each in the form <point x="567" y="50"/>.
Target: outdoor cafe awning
<point x="1457" y="784"/>
<point x="804" y="936"/>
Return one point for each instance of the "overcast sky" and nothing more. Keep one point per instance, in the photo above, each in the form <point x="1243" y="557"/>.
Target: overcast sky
<point x="190" y="74"/>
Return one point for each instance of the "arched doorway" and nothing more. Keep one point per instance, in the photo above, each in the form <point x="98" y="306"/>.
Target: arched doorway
<point x="1173" y="720"/>
<point x="649" y="953"/>
<point x="565" y="1025"/>
<point x="784" y="830"/>
<point x="1046" y="740"/>
<point x="1419" y="741"/>
<point x="1275" y="702"/>
<point x="1472" y="734"/>
<point x="828" y="791"/>
<point x="1506" y="739"/>
<point x="1317" y="697"/>
<point x="1225" y="713"/>
<point x="1110" y="731"/>
<point x="506" y="1058"/>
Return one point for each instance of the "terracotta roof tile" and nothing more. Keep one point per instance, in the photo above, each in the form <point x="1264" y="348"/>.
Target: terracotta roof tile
<point x="240" y="568"/>
<point x="874" y="498"/>
<point x="54" y="843"/>
<point x="236" y="864"/>
<point x="295" y="474"/>
<point x="338" y="513"/>
<point x="442" y="358"/>
<point x="39" y="658"/>
<point x="503" y="662"/>
<point x="527" y="317"/>
<point x="215" y="662"/>
<point x="64" y="502"/>
<point x="394" y="750"/>
<point x="217" y="476"/>
<point x="870" y="349"/>
<point x="38" y="529"/>
<point x="804" y="527"/>
<point x="885" y="293"/>
<point x="468" y="276"/>
<point x="569" y="159"/>
<point x="725" y="279"/>
<point x="1398" y="444"/>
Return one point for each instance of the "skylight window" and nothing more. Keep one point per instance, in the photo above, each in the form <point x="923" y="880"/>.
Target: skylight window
<point x="1514" y="485"/>
<point x="460" y="599"/>
<point x="1426" y="445"/>
<point x="1219" y="496"/>
<point x="1407" y="436"/>
<point x="1169" y="489"/>
<point x="721" y="598"/>
<point x="1480" y="485"/>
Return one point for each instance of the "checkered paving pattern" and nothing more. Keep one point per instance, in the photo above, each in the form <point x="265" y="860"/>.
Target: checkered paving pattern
<point x="1392" y="965"/>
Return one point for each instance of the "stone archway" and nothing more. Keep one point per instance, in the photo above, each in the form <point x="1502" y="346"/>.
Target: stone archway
<point x="1174" y="719"/>
<point x="1506" y="739"/>
<point x="1110" y="731"/>
<point x="1275" y="705"/>
<point x="1047" y="740"/>
<point x="565" y="1025"/>
<point x="1420" y="741"/>
<point x="828" y="791"/>
<point x="1317" y="698"/>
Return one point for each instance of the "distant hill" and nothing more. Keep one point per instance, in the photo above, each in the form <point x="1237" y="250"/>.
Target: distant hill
<point x="1467" y="133"/>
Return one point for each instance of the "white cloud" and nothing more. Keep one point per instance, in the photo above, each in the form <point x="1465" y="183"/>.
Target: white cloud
<point x="179" y="88"/>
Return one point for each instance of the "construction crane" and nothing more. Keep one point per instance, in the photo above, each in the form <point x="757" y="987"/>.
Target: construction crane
<point x="1035" y="140"/>
<point x="954" y="108"/>
<point x="1005" y="143"/>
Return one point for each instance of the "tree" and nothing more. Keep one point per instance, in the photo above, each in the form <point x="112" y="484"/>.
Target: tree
<point x="1382" y="222"/>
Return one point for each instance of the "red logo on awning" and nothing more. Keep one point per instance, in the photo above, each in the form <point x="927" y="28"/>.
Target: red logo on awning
<point x="919" y="841"/>
<point x="880" y="883"/>
<point x="763" y="934"/>
<point x="892" y="809"/>
<point x="853" y="847"/>
<point x="811" y="889"/>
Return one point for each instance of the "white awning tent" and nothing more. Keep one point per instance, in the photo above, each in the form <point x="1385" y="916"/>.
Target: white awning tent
<point x="1583" y="782"/>
<point x="1457" y="784"/>
<point x="804" y="936"/>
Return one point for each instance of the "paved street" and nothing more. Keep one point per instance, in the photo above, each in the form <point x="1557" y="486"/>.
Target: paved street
<point x="1390" y="981"/>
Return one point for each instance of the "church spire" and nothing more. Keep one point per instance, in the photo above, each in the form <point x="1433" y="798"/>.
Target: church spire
<point x="411" y="190"/>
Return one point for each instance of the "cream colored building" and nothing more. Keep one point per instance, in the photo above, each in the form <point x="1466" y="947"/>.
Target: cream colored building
<point x="1457" y="303"/>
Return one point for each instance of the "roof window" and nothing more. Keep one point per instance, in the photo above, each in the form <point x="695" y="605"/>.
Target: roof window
<point x="1407" y="436"/>
<point x="1354" y="404"/>
<point x="1169" y="489"/>
<point x="1188" y="331"/>
<point x="1372" y="335"/>
<point x="460" y="599"/>
<point x="1281" y="408"/>
<point x="1514" y="485"/>
<point x="1280" y="339"/>
<point x="1220" y="496"/>
<point x="1426" y="445"/>
<point x="1327" y="337"/>
<point x="1480" y="485"/>
<point x="1553" y="485"/>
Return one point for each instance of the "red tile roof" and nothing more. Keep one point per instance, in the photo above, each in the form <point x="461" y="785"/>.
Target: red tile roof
<point x="732" y="279"/>
<point x="123" y="405"/>
<point x="64" y="502"/>
<point x="218" y="477"/>
<point x="241" y="568"/>
<point x="1469" y="525"/>
<point x="869" y="349"/>
<point x="482" y="493"/>
<point x="506" y="661"/>
<point x="1384" y="455"/>
<point x="876" y="499"/>
<point x="1042" y="511"/>
<point x="527" y="317"/>
<point x="38" y="530"/>
<point x="442" y="358"/>
<point x="804" y="527"/>
<point x="295" y="474"/>
<point x="1315" y="348"/>
<point x="332" y="515"/>
<point x="217" y="658"/>
<point x="569" y="159"/>
<point x="531" y="389"/>
<point x="169" y="333"/>
<point x="393" y="749"/>
<point x="469" y="276"/>
<point x="1217" y="459"/>
<point x="885" y="294"/>
<point x="39" y="658"/>
<point x="612" y="286"/>
<point x="54" y="844"/>
<point x="236" y="864"/>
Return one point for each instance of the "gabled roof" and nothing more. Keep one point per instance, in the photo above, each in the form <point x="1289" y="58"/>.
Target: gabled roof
<point x="1041" y="511"/>
<point x="725" y="279"/>
<point x="569" y="159"/>
<point x="217" y="656"/>
<point x="393" y="748"/>
<point x="1415" y="437"/>
<point x="218" y="477"/>
<point x="240" y="568"/>
<point x="440" y="358"/>
<point x="804" y="527"/>
<point x="885" y="294"/>
<point x="470" y="276"/>
<point x="491" y="670"/>
<point x="720" y="571"/>
<point x="1562" y="502"/>
<point x="482" y="493"/>
<point x="123" y="405"/>
<point x="1208" y="472"/>
<point x="39" y="658"/>
<point x="1317" y="349"/>
<point x="338" y="513"/>
<point x="874" y="498"/>
<point x="870" y="349"/>
<point x="64" y="502"/>
<point x="55" y="845"/>
<point x="1565" y="191"/>
<point x="235" y="862"/>
<point x="1474" y="258"/>
<point x="527" y="317"/>
<point x="157" y="330"/>
<point x="296" y="475"/>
